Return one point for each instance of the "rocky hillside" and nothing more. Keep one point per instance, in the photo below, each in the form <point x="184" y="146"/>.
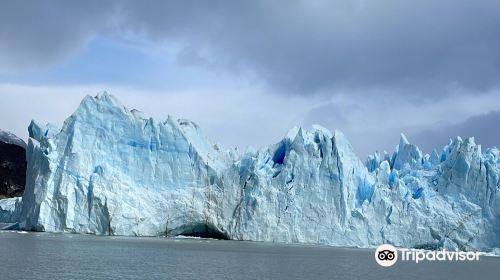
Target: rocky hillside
<point x="12" y="165"/>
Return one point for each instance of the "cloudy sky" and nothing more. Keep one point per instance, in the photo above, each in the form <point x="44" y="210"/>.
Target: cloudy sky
<point x="248" y="71"/>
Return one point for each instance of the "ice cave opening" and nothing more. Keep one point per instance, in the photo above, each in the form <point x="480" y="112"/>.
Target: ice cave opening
<point x="204" y="231"/>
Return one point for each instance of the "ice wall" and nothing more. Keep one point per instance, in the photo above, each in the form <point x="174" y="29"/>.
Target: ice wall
<point x="112" y="171"/>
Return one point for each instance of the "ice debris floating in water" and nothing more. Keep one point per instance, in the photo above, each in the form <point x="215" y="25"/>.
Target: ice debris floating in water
<point x="113" y="171"/>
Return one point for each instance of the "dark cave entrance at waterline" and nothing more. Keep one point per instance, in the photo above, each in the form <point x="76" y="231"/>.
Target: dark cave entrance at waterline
<point x="203" y="231"/>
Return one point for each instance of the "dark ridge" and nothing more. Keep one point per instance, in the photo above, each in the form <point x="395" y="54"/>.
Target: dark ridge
<point x="12" y="170"/>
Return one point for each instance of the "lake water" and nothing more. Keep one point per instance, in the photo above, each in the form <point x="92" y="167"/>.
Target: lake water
<point x="70" y="256"/>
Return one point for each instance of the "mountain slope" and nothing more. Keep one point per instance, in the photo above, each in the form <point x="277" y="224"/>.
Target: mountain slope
<point x="12" y="165"/>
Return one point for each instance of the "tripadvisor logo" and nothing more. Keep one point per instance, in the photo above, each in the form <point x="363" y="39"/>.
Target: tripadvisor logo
<point x="386" y="255"/>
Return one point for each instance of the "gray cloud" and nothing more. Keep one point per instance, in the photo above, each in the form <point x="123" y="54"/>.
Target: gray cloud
<point x="484" y="129"/>
<point x="374" y="122"/>
<point x="37" y="34"/>
<point x="330" y="115"/>
<point x="418" y="48"/>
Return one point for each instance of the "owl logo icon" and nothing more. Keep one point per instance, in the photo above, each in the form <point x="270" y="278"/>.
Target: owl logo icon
<point x="386" y="255"/>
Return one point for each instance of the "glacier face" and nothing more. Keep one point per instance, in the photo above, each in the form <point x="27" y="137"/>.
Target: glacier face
<point x="112" y="171"/>
<point x="10" y="209"/>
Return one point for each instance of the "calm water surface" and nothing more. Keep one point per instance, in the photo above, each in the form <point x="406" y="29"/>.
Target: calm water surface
<point x="70" y="256"/>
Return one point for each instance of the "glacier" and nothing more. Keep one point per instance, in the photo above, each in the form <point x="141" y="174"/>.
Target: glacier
<point x="10" y="209"/>
<point x="113" y="171"/>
